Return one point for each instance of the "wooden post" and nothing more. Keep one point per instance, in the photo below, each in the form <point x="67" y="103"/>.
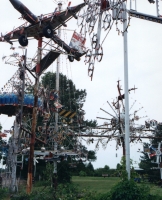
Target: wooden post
<point x="34" y="120"/>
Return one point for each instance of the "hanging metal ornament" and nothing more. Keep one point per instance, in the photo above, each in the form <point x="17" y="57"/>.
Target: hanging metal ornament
<point x="100" y="15"/>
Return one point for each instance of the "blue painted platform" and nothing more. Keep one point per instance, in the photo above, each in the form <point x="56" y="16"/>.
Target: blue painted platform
<point x="9" y="103"/>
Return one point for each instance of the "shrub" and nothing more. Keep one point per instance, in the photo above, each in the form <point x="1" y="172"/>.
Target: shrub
<point x="129" y="190"/>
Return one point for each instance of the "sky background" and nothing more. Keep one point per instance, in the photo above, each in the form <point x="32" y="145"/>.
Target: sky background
<point x="144" y="62"/>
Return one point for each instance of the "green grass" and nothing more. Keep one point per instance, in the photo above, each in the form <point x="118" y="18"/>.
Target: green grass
<point x="97" y="184"/>
<point x="155" y="190"/>
<point x="104" y="185"/>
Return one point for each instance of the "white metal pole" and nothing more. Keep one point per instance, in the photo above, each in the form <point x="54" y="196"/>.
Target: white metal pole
<point x="57" y="89"/>
<point x="157" y="8"/>
<point x="130" y="4"/>
<point x="127" y="146"/>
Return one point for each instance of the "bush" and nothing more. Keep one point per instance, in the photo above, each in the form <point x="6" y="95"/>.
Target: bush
<point x="129" y="190"/>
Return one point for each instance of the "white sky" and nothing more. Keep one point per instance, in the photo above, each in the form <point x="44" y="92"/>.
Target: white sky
<point x="144" y="58"/>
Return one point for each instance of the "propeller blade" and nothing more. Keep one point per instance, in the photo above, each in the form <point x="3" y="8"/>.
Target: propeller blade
<point x="157" y="159"/>
<point x="159" y="146"/>
<point x="69" y="3"/>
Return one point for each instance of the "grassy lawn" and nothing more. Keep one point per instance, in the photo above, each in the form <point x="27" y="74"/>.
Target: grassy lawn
<point x="97" y="184"/>
<point x="155" y="189"/>
<point x="103" y="185"/>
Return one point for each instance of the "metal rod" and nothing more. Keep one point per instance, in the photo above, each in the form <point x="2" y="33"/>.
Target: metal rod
<point x="31" y="134"/>
<point x="30" y="71"/>
<point x="130" y="4"/>
<point x="102" y="118"/>
<point x="106" y="112"/>
<point x="34" y="121"/>
<point x="127" y="146"/>
<point x="112" y="108"/>
<point x="56" y="113"/>
<point x="107" y="136"/>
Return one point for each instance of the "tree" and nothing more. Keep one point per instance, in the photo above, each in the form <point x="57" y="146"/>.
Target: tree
<point x="153" y="175"/>
<point x="118" y="166"/>
<point x="106" y="168"/>
<point x="71" y="98"/>
<point x="92" y="156"/>
<point x="147" y="163"/>
<point x="90" y="169"/>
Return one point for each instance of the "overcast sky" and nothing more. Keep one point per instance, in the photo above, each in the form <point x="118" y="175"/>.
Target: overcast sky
<point x="144" y="60"/>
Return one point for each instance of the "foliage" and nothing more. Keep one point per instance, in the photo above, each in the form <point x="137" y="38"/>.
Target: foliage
<point x="3" y="193"/>
<point x="47" y="174"/>
<point x="69" y="96"/>
<point x="146" y="163"/>
<point x="64" y="174"/>
<point x="148" y="167"/>
<point x="3" y="147"/>
<point x="92" y="156"/>
<point x="89" y="169"/>
<point x="82" y="173"/>
<point x="36" y="195"/>
<point x="104" y="186"/>
<point x="128" y="190"/>
<point x="63" y="192"/>
<point x="122" y="170"/>
<point x="118" y="166"/>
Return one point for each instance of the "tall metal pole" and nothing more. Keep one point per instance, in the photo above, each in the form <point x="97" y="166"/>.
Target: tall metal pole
<point x="56" y="114"/>
<point x="127" y="145"/>
<point x="130" y="4"/>
<point x="34" y="120"/>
